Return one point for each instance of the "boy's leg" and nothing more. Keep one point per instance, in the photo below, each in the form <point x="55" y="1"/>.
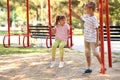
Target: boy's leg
<point x="87" y="54"/>
<point x="95" y="52"/>
<point x="61" y="48"/>
<point x="55" y="44"/>
<point x="88" y="57"/>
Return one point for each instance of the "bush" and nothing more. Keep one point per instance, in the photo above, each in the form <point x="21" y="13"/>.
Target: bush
<point x="77" y="23"/>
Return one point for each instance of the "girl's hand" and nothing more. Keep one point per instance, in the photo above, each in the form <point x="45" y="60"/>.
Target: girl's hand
<point x="49" y="26"/>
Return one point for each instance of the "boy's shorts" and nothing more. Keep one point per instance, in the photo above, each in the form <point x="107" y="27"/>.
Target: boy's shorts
<point x="90" y="46"/>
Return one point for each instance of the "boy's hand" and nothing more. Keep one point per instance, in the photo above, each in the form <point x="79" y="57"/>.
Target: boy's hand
<point x="72" y="11"/>
<point x="75" y="14"/>
<point x="97" y="43"/>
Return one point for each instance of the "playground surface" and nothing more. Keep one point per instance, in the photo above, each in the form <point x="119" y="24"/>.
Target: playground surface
<point x="35" y="66"/>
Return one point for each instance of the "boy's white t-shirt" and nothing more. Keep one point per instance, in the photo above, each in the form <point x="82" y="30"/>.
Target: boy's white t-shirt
<point x="90" y="25"/>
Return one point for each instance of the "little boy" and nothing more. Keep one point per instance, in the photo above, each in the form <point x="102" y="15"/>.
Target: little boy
<point x="91" y="37"/>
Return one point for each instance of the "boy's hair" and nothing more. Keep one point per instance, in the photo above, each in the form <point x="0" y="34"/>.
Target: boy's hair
<point x="59" y="17"/>
<point x="91" y="5"/>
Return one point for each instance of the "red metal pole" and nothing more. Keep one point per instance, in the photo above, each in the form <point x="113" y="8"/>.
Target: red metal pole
<point x="27" y="15"/>
<point x="8" y="14"/>
<point x="70" y="8"/>
<point x="49" y="18"/>
<point x="108" y="34"/>
<point x="101" y="36"/>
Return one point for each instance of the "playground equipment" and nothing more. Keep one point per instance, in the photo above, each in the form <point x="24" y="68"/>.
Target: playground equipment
<point x="101" y="32"/>
<point x="69" y="40"/>
<point x="70" y="37"/>
<point x="102" y="35"/>
<point x="9" y="35"/>
<point x="36" y="32"/>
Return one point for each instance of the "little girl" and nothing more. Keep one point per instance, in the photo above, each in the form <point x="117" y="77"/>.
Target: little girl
<point x="61" y="31"/>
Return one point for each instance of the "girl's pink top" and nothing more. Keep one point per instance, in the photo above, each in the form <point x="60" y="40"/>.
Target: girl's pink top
<point x="62" y="32"/>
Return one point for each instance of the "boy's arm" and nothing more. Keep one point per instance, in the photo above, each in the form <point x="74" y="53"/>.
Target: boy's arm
<point x="76" y="15"/>
<point x="97" y="37"/>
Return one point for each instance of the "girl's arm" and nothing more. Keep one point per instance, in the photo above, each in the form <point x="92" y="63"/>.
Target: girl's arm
<point x="68" y="31"/>
<point x="53" y="30"/>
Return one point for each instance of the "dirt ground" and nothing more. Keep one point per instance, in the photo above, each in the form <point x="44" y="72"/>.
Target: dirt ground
<point x="36" y="67"/>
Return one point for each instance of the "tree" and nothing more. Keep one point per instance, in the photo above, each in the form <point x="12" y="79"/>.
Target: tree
<point x="114" y="7"/>
<point x="57" y="7"/>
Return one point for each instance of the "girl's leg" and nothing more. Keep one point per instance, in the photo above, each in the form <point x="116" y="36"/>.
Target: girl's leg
<point x="56" y="43"/>
<point x="61" y="48"/>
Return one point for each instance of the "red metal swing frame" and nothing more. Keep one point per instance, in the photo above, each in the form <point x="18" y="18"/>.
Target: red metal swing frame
<point x="69" y="40"/>
<point x="102" y="35"/>
<point x="19" y="35"/>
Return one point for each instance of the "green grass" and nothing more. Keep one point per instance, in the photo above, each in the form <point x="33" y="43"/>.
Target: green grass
<point x="116" y="53"/>
<point x="12" y="32"/>
<point x="3" y="33"/>
<point x="21" y="50"/>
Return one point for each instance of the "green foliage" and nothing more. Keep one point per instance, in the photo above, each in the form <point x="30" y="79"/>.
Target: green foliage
<point x="76" y="23"/>
<point x="114" y="7"/>
<point x="38" y="9"/>
<point x="2" y="4"/>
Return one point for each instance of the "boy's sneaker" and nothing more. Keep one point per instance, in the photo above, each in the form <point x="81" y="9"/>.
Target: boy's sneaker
<point x="88" y="71"/>
<point x="61" y="64"/>
<point x="52" y="64"/>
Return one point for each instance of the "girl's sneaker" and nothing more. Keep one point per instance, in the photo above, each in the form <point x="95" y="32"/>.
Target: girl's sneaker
<point x="52" y="64"/>
<point x="61" y="64"/>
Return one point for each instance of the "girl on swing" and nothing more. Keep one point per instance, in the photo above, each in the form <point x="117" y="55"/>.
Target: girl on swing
<point x="61" y="31"/>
